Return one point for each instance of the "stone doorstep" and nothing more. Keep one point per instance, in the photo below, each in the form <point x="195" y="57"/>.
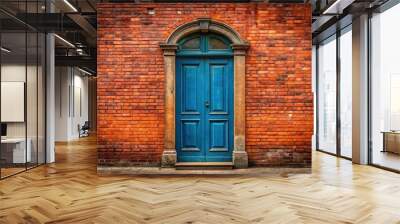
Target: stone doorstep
<point x="134" y="171"/>
<point x="204" y="165"/>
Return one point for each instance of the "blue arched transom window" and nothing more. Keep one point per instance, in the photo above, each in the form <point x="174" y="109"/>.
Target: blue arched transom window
<point x="204" y="44"/>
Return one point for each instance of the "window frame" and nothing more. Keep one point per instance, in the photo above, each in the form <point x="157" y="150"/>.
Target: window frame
<point x="204" y="46"/>
<point x="334" y="37"/>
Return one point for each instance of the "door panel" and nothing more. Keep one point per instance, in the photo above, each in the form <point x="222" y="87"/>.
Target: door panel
<point x="204" y="109"/>
<point x="219" y="135"/>
<point x="218" y="89"/>
<point x="189" y="110"/>
<point x="190" y="94"/>
<point x="191" y="134"/>
<point x="219" y="114"/>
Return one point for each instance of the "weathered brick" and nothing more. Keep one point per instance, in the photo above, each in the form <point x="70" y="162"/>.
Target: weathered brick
<point x="279" y="104"/>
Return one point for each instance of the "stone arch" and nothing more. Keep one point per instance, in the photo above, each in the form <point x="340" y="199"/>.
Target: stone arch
<point x="239" y="47"/>
<point x="205" y="25"/>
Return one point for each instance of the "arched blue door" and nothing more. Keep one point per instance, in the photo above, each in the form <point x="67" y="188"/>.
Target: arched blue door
<point x="204" y="99"/>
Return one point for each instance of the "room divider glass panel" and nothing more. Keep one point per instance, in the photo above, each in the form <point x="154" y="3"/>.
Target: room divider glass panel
<point x="385" y="89"/>
<point x="15" y="151"/>
<point x="327" y="95"/>
<point x="22" y="61"/>
<point x="346" y="92"/>
<point x="35" y="85"/>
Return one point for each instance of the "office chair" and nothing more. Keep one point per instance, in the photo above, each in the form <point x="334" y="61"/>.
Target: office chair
<point x="84" y="130"/>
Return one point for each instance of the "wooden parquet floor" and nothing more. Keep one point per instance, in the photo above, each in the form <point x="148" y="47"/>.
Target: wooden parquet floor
<point x="69" y="191"/>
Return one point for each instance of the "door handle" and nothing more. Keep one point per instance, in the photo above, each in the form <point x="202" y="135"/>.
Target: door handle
<point x="207" y="104"/>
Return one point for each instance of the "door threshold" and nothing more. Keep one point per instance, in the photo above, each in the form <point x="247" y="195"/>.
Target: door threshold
<point x="204" y="165"/>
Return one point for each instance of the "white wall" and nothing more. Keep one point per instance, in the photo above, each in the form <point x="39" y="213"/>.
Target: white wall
<point x="80" y="112"/>
<point x="71" y="102"/>
<point x="62" y="82"/>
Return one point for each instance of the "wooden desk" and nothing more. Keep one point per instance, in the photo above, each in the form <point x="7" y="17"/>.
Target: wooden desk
<point x="391" y="141"/>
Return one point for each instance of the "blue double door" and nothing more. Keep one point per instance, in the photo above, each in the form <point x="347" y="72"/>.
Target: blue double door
<point x="204" y="109"/>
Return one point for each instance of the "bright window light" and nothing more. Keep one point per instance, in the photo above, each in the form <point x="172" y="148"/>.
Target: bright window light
<point x="84" y="71"/>
<point x="5" y="50"/>
<point x="64" y="40"/>
<point x="70" y="5"/>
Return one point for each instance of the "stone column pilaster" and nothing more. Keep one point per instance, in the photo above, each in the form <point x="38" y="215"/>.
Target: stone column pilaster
<point x="240" y="158"/>
<point x="169" y="155"/>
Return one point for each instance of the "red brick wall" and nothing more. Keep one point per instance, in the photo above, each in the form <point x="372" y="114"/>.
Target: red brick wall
<point x="279" y="107"/>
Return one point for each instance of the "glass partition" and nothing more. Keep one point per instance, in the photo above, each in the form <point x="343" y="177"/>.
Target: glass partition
<point x="334" y="94"/>
<point x="327" y="95"/>
<point x="346" y="93"/>
<point x="385" y="89"/>
<point x="22" y="88"/>
<point x="13" y="94"/>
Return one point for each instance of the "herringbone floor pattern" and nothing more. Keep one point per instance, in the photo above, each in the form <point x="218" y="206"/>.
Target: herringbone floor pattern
<point x="71" y="192"/>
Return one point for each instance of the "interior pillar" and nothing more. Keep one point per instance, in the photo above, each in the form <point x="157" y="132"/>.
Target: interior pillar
<point x="360" y="90"/>
<point x="50" y="99"/>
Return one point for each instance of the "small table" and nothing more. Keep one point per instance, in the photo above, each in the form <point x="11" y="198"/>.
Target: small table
<point x="17" y="150"/>
<point x="391" y="141"/>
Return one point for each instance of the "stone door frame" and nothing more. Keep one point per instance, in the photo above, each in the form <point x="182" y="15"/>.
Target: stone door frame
<point x="239" y="47"/>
